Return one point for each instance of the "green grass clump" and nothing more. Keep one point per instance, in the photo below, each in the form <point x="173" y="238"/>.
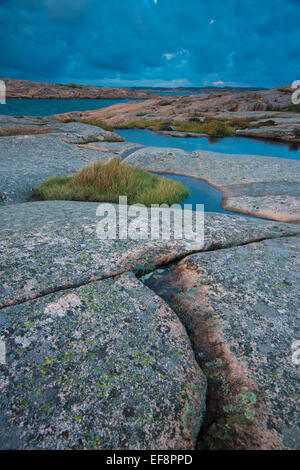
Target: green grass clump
<point x="239" y="122"/>
<point x="214" y="127"/>
<point x="105" y="182"/>
<point x="188" y="126"/>
<point x="211" y="127"/>
<point x="150" y="124"/>
<point x="269" y="122"/>
<point x="8" y="131"/>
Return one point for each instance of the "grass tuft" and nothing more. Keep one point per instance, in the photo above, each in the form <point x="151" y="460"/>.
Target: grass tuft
<point x="10" y="131"/>
<point x="105" y="182"/>
<point x="211" y="127"/>
<point x="150" y="124"/>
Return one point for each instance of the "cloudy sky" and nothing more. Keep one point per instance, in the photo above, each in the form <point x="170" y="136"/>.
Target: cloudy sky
<point x="151" y="42"/>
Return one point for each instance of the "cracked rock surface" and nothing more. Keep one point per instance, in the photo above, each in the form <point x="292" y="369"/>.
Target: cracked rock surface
<point x="104" y="366"/>
<point x="240" y="306"/>
<point x="52" y="245"/>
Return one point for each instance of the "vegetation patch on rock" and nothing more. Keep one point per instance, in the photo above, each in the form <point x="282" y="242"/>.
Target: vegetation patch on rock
<point x="105" y="182"/>
<point x="91" y="122"/>
<point x="150" y="124"/>
<point x="9" y="131"/>
<point x="214" y="127"/>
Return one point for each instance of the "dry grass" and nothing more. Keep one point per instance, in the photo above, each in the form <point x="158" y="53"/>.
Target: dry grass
<point x="105" y="182"/>
<point x="92" y="122"/>
<point x="9" y="131"/>
<point x="99" y="123"/>
<point x="150" y="124"/>
<point x="213" y="126"/>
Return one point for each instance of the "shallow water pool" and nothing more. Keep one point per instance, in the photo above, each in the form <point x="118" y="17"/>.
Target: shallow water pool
<point x="231" y="145"/>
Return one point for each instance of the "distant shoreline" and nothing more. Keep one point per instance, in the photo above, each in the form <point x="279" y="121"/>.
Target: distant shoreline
<point x="67" y="98"/>
<point x="40" y="90"/>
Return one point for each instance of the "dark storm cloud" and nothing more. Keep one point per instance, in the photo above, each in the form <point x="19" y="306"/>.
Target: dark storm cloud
<point x="176" y="42"/>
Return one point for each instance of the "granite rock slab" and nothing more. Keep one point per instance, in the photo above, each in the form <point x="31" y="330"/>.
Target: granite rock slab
<point x="104" y="366"/>
<point x="241" y="308"/>
<point x="51" y="245"/>
<point x="251" y="174"/>
<point x="28" y="160"/>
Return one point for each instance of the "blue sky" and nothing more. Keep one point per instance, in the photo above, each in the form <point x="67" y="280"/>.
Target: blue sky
<point x="151" y="42"/>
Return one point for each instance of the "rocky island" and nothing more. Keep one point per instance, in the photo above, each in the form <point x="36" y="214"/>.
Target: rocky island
<point x="41" y="90"/>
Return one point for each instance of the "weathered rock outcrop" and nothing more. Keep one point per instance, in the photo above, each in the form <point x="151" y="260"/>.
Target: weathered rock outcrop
<point x="280" y="126"/>
<point x="41" y="90"/>
<point x="240" y="307"/>
<point x="285" y="127"/>
<point x="278" y="98"/>
<point x="181" y="107"/>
